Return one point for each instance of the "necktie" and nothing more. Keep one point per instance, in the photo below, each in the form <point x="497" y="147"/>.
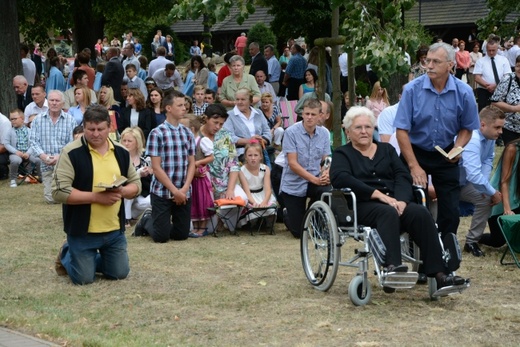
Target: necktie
<point x="495" y="72"/>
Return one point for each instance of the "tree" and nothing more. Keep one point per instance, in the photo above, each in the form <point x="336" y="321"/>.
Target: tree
<point x="87" y="18"/>
<point x="212" y="11"/>
<point x="307" y="18"/>
<point x="261" y="34"/>
<point x="501" y="16"/>
<point x="10" y="57"/>
<point x="377" y="34"/>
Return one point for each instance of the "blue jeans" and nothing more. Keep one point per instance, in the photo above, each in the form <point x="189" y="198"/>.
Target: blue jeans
<point x="83" y="256"/>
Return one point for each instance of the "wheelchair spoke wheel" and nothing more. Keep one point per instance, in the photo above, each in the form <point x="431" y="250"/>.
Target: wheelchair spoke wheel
<point x="319" y="251"/>
<point x="356" y="293"/>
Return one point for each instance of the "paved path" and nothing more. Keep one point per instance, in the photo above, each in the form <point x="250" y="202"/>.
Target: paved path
<point x="10" y="338"/>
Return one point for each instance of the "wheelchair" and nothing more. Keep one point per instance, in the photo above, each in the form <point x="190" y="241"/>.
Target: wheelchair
<point x="327" y="226"/>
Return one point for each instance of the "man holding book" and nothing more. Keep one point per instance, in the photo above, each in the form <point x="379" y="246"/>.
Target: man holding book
<point x="434" y="109"/>
<point x="93" y="216"/>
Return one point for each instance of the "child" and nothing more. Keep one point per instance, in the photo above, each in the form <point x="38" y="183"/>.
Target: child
<point x="201" y="189"/>
<point x="199" y="106"/>
<point x="209" y="96"/>
<point x="171" y="147"/>
<point x="134" y="81"/>
<point x="188" y="103"/>
<point x="99" y="74"/>
<point x="255" y="178"/>
<point x="17" y="144"/>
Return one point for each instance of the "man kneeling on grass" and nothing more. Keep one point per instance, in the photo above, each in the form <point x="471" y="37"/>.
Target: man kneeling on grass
<point x="94" y="217"/>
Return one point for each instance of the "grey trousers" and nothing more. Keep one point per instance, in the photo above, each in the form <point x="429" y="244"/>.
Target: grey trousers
<point x="482" y="210"/>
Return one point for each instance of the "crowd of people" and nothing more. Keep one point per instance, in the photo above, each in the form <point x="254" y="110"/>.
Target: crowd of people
<point x="183" y="140"/>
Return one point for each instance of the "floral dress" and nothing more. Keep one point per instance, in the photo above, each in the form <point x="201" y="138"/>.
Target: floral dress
<point x="225" y="161"/>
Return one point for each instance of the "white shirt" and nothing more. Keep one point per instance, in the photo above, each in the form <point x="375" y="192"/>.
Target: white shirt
<point x="165" y="82"/>
<point x="156" y="64"/>
<point x="512" y="54"/>
<point x="343" y="64"/>
<point x="132" y="60"/>
<point x="5" y="128"/>
<point x="483" y="67"/>
<point x="32" y="108"/>
<point x="385" y="121"/>
<point x="29" y="70"/>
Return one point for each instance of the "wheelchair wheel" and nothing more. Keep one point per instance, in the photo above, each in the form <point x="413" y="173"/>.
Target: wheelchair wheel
<point x="318" y="246"/>
<point x="355" y="291"/>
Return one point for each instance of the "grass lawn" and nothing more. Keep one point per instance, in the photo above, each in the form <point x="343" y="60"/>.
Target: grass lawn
<point x="231" y="291"/>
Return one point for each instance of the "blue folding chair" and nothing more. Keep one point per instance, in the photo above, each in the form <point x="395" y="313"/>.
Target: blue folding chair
<point x="510" y="227"/>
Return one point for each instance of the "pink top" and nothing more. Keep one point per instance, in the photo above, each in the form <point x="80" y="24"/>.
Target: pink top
<point x="376" y="106"/>
<point x="241" y="42"/>
<point x="463" y="59"/>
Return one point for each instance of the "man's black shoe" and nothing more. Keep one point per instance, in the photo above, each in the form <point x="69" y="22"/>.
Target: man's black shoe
<point x="474" y="249"/>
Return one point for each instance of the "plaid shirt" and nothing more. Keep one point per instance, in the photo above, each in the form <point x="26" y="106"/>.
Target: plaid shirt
<point x="49" y="138"/>
<point x="22" y="138"/>
<point x="296" y="66"/>
<point x="199" y="111"/>
<point x="173" y="144"/>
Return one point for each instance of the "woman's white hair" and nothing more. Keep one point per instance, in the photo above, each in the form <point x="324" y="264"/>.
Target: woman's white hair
<point x="356" y="111"/>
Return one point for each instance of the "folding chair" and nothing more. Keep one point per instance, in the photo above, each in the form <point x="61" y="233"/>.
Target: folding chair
<point x="510" y="227"/>
<point x="288" y="114"/>
<point x="226" y="215"/>
<point x="261" y="215"/>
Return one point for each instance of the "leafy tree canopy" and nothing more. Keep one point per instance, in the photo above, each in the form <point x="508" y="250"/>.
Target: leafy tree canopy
<point x="375" y="32"/>
<point x="37" y="17"/>
<point x="503" y="14"/>
<point x="216" y="9"/>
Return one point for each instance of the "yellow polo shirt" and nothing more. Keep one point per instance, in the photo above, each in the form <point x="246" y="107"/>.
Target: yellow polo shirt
<point x="104" y="218"/>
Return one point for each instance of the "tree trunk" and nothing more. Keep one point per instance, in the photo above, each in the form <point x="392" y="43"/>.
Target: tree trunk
<point x="208" y="48"/>
<point x="10" y="61"/>
<point x="87" y="29"/>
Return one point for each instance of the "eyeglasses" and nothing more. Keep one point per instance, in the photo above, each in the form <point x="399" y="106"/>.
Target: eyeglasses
<point x="360" y="128"/>
<point x="435" y="61"/>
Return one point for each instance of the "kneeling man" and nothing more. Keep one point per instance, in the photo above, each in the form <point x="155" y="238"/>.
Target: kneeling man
<point x="93" y="217"/>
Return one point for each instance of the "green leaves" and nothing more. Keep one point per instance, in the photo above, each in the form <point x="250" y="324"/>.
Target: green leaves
<point x="374" y="29"/>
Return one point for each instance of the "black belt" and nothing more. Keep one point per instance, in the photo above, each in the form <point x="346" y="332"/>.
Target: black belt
<point x="256" y="190"/>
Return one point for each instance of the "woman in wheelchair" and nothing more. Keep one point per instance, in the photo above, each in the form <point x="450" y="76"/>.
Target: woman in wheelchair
<point x="383" y="187"/>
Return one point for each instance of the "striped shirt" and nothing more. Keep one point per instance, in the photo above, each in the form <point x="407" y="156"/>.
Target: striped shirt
<point x="173" y="144"/>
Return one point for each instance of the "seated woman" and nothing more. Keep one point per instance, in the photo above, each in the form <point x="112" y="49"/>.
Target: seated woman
<point x="311" y="80"/>
<point x="137" y="114"/>
<point x="133" y="140"/>
<point x="273" y="116"/>
<point x="383" y="187"/>
<point x="245" y="123"/>
<point x="504" y="179"/>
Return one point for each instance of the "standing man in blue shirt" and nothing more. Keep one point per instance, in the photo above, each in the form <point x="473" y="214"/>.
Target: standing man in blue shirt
<point x="475" y="170"/>
<point x="294" y="73"/>
<point x="274" y="68"/>
<point x="306" y="145"/>
<point x="434" y="109"/>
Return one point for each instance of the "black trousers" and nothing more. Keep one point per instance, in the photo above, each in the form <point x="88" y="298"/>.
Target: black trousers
<point x="276" y="178"/>
<point x="297" y="206"/>
<point x="164" y="212"/>
<point x="483" y="98"/>
<point x="416" y="220"/>
<point x="445" y="178"/>
<point x="293" y="87"/>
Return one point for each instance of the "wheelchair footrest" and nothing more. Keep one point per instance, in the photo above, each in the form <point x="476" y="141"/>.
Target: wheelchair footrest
<point x="450" y="290"/>
<point x="400" y="279"/>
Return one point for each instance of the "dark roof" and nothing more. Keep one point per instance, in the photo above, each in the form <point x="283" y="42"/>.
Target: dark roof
<point x="228" y="25"/>
<point x="448" y="12"/>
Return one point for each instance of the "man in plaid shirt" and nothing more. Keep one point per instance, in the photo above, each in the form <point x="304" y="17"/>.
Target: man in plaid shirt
<point x="50" y="132"/>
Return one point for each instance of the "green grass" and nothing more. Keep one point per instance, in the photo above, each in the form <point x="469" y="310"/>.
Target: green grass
<point x="231" y="291"/>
